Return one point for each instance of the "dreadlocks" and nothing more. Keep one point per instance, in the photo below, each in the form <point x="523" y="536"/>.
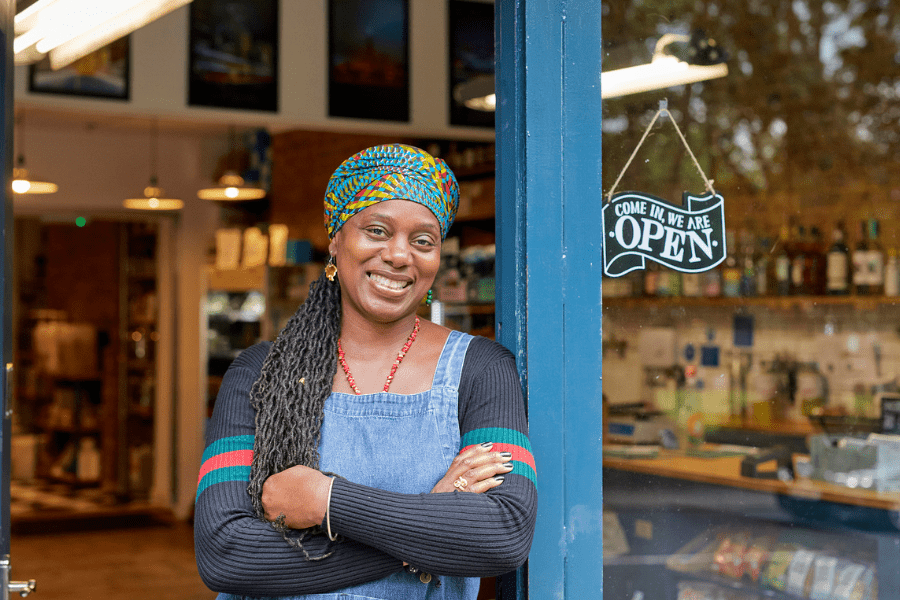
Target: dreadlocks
<point x="289" y="396"/>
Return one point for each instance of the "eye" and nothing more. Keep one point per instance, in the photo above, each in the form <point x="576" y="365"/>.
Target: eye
<point x="376" y="230"/>
<point x="424" y="242"/>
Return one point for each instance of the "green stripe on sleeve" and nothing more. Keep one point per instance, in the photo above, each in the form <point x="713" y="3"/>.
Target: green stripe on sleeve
<point x="239" y="473"/>
<point x="497" y="435"/>
<point x="228" y="444"/>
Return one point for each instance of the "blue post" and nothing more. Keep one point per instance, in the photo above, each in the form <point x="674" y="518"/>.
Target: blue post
<point x="549" y="245"/>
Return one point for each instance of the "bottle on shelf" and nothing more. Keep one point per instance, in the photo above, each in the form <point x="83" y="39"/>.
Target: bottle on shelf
<point x="761" y="267"/>
<point x="814" y="266"/>
<point x="781" y="264"/>
<point x="892" y="274"/>
<point x="838" y="266"/>
<point x="860" y="259"/>
<point x="652" y="274"/>
<point x="799" y="276"/>
<point x="875" y="262"/>
<point x="747" y="260"/>
<point x="731" y="269"/>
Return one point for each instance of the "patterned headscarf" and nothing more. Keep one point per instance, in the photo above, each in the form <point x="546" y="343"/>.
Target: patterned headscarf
<point x="390" y="172"/>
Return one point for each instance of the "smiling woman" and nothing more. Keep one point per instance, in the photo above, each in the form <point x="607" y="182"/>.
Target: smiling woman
<point x="406" y="473"/>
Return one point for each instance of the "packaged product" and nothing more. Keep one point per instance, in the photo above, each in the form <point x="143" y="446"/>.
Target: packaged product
<point x="824" y="573"/>
<point x="775" y="574"/>
<point x="729" y="556"/>
<point x="848" y="582"/>
<point x="798" y="580"/>
<point x="756" y="557"/>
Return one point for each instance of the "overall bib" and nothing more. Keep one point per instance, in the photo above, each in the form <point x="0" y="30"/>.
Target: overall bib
<point x="399" y="443"/>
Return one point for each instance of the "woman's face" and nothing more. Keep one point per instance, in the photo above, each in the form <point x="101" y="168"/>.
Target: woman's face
<point x="387" y="256"/>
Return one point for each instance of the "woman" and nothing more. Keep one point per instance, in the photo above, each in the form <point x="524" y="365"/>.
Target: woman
<point x="341" y="458"/>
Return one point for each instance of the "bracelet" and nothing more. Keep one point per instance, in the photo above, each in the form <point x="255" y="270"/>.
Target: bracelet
<point x="333" y="538"/>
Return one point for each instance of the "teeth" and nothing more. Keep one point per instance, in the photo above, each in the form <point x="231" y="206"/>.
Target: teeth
<point x="388" y="283"/>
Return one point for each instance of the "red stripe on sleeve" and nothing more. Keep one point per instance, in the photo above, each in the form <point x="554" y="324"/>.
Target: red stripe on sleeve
<point x="518" y="453"/>
<point x="235" y="458"/>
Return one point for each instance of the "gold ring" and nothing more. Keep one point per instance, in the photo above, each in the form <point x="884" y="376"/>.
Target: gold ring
<point x="460" y="483"/>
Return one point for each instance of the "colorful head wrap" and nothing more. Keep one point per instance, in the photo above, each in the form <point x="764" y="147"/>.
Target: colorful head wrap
<point x="394" y="171"/>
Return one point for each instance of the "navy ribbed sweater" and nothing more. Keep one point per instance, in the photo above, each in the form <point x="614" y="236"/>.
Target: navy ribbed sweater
<point x="461" y="534"/>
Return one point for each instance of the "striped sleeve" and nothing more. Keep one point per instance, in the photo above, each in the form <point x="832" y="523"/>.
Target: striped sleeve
<point x="236" y="552"/>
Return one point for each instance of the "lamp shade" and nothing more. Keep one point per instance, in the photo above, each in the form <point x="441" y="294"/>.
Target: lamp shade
<point x="23" y="183"/>
<point x="231" y="187"/>
<point x="153" y="200"/>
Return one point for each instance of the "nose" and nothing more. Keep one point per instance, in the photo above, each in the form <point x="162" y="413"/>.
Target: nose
<point x="396" y="252"/>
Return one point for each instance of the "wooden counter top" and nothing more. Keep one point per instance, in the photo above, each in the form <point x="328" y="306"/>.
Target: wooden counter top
<point x="726" y="471"/>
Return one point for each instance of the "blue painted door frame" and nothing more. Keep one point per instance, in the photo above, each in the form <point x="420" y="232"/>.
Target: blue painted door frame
<point x="549" y="257"/>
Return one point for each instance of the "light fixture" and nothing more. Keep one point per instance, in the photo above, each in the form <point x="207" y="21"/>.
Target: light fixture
<point x="705" y="61"/>
<point x="231" y="186"/>
<point x="22" y="181"/>
<point x="67" y="30"/>
<point x="153" y="194"/>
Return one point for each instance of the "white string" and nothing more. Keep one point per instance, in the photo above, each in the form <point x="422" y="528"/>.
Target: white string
<point x="662" y="109"/>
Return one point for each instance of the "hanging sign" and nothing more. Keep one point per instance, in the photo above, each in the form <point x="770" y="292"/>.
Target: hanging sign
<point x="639" y="226"/>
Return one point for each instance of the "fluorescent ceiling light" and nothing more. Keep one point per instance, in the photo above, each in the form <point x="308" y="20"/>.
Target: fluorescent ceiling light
<point x="70" y="29"/>
<point x="663" y="71"/>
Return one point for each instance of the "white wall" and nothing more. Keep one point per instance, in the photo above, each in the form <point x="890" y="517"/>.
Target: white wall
<point x="159" y="77"/>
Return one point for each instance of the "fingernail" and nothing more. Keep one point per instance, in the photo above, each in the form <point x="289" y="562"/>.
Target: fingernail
<point x="499" y="478"/>
<point x="486" y="444"/>
<point x="508" y="465"/>
<point x="506" y="455"/>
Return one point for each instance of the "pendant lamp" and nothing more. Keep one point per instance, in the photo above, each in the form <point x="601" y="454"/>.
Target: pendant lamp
<point x="153" y="197"/>
<point x="25" y="183"/>
<point x="231" y="186"/>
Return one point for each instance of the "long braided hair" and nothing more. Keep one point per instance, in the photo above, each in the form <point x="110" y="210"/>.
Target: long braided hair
<point x="289" y="396"/>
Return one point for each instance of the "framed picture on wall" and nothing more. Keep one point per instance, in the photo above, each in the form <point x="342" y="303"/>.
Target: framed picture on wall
<point x="368" y="59"/>
<point x="471" y="58"/>
<point x="234" y="54"/>
<point x="103" y="73"/>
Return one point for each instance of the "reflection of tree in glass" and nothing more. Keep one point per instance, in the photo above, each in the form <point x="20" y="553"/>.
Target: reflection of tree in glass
<point x="810" y="102"/>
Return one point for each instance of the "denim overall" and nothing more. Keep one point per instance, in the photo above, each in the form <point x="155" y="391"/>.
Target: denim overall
<point x="398" y="443"/>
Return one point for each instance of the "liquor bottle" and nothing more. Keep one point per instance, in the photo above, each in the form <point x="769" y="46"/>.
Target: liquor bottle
<point x="691" y="285"/>
<point x="875" y="263"/>
<point x="860" y="260"/>
<point x="651" y="279"/>
<point x="892" y="274"/>
<point x="761" y="259"/>
<point x="781" y="265"/>
<point x="814" y="274"/>
<point x="747" y="265"/>
<point x="838" y="264"/>
<point x="798" y="262"/>
<point x="731" y="270"/>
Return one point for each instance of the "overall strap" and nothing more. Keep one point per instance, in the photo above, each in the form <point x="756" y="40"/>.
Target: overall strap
<point x="449" y="367"/>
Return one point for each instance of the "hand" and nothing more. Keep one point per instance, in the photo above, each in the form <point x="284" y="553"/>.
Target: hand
<point x="476" y="470"/>
<point x="298" y="493"/>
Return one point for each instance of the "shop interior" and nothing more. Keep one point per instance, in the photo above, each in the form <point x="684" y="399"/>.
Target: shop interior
<point x="751" y="410"/>
<point x="787" y="351"/>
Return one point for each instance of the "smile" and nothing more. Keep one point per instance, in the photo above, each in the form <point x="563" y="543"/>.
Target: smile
<point x="390" y="284"/>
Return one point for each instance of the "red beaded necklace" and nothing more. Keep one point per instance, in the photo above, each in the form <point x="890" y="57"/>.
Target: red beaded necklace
<point x="390" y="377"/>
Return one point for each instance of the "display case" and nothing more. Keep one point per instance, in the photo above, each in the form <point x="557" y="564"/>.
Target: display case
<point x="694" y="525"/>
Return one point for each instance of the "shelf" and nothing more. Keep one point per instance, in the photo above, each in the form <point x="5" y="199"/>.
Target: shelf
<point x="780" y="302"/>
<point x="474" y="308"/>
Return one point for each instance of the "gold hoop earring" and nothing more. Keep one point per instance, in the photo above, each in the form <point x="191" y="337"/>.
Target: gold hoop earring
<point x="330" y="269"/>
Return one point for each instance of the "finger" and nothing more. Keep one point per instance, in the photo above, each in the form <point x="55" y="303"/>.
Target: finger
<point x="487" y="471"/>
<point x="479" y="487"/>
<point x="466" y="462"/>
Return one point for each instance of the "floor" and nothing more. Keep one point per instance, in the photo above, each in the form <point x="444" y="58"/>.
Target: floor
<point x="137" y="562"/>
<point x="77" y="546"/>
